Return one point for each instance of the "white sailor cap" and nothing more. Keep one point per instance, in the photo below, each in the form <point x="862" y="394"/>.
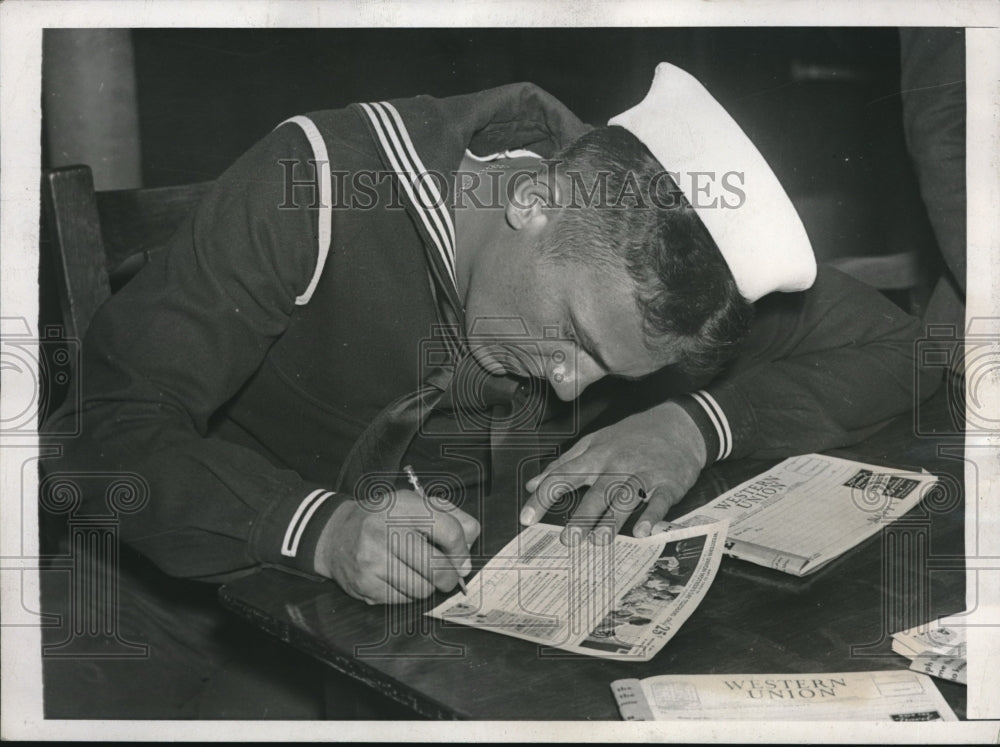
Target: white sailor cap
<point x="727" y="181"/>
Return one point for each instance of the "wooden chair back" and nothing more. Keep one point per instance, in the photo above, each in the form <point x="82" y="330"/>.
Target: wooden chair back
<point x="101" y="239"/>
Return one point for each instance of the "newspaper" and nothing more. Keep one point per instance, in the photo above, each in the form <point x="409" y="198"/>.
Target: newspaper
<point x="932" y="638"/>
<point x="844" y="696"/>
<point x="951" y="668"/>
<point x="806" y="511"/>
<point x="934" y="649"/>
<point x="620" y="601"/>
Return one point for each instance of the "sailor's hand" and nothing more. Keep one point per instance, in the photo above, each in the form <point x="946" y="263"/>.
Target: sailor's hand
<point x="400" y="550"/>
<point x="647" y="460"/>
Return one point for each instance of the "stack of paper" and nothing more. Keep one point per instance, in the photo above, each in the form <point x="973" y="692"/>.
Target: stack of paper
<point x="934" y="649"/>
<point x="828" y="696"/>
<point x="810" y="509"/>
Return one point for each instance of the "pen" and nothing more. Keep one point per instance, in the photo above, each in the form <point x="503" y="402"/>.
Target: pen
<point x="419" y="490"/>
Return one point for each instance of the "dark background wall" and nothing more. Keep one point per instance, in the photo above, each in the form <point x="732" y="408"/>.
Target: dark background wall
<point x="822" y="104"/>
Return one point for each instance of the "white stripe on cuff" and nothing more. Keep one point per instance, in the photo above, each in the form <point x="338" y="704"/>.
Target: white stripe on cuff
<point x="300" y="519"/>
<point x="719" y="420"/>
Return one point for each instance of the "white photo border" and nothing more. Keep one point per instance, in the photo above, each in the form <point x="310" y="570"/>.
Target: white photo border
<point x="21" y="25"/>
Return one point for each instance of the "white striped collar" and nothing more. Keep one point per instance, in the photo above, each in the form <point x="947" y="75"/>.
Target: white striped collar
<point x="421" y="189"/>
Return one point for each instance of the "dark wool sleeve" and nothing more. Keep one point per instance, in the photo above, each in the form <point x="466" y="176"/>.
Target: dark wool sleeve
<point x="178" y="341"/>
<point x="820" y="369"/>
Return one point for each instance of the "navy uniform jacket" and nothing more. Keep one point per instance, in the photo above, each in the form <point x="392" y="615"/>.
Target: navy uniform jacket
<point x="235" y="371"/>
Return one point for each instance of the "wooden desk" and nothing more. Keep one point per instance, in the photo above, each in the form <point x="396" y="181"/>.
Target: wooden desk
<point x="752" y="620"/>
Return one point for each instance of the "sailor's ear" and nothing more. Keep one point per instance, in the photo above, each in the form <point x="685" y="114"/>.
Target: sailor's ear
<point x="531" y="201"/>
